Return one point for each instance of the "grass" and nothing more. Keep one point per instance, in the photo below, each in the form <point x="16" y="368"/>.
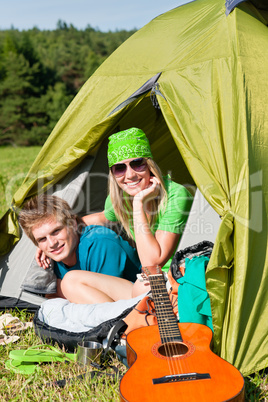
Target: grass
<point x="38" y="386"/>
<point x="257" y="387"/>
<point x="14" y="164"/>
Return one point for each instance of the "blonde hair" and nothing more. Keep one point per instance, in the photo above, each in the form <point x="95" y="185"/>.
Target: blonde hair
<point x="40" y="208"/>
<point x="122" y="202"/>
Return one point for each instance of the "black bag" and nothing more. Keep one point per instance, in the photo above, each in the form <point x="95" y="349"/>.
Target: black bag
<point x="69" y="340"/>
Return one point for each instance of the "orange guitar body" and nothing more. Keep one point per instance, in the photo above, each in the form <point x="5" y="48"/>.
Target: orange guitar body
<point x="150" y="364"/>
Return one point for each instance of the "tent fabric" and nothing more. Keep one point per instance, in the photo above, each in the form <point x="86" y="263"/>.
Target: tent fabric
<point x="213" y="100"/>
<point x="221" y="135"/>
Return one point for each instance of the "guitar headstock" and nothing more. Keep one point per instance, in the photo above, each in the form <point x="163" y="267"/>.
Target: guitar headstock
<point x="151" y="270"/>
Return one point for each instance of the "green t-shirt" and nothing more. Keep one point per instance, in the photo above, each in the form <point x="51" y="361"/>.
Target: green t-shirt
<point x="173" y="218"/>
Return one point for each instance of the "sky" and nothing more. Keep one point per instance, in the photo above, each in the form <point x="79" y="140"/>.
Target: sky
<point x="105" y="15"/>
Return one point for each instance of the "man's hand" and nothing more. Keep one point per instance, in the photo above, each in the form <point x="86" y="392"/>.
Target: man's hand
<point x="42" y="260"/>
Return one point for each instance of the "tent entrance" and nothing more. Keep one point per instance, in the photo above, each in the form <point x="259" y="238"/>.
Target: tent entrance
<point x="142" y="113"/>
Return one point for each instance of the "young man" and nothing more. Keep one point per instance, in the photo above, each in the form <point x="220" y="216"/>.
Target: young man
<point x="92" y="263"/>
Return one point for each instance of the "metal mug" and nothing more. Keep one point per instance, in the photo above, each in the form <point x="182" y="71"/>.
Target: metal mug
<point x="89" y="352"/>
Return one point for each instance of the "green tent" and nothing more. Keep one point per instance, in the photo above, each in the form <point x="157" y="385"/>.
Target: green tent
<point x="194" y="79"/>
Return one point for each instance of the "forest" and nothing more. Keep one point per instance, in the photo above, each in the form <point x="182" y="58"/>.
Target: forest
<point x="40" y="73"/>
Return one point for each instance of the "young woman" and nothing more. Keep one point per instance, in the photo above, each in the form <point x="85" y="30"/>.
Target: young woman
<point x="151" y="208"/>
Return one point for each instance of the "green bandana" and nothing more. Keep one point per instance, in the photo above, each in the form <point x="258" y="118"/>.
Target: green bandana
<point x="127" y="144"/>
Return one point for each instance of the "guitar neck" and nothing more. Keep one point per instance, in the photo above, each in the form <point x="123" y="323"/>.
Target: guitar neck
<point x="167" y="322"/>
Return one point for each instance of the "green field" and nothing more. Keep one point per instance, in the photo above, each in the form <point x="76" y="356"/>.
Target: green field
<point x="14" y="165"/>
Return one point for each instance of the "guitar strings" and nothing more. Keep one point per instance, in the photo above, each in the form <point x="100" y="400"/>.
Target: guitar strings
<point x="164" y="308"/>
<point x="171" y="347"/>
<point x="162" y="304"/>
<point x="156" y="283"/>
<point x="156" y="291"/>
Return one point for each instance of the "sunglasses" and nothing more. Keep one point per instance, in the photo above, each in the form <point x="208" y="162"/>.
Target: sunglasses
<point x="138" y="165"/>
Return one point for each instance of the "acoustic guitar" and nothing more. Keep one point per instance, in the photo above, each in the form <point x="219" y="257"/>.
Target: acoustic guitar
<point x="173" y="361"/>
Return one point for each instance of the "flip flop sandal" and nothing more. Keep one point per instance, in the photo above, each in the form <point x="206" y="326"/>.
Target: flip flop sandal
<point x="5" y="339"/>
<point x="3" y="318"/>
<point x="13" y="324"/>
<point x="40" y="354"/>
<point x="17" y="327"/>
<point x="18" y="367"/>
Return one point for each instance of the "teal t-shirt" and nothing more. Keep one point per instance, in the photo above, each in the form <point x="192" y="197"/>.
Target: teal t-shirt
<point x="173" y="218"/>
<point x="101" y="250"/>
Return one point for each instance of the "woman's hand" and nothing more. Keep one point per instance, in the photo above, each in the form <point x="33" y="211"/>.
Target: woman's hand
<point x="42" y="260"/>
<point x="149" y="193"/>
<point x="97" y="218"/>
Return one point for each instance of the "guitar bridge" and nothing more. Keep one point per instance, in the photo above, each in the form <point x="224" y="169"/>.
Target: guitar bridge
<point x="181" y="377"/>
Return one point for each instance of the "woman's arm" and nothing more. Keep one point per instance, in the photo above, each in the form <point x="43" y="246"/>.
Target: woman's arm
<point x="152" y="249"/>
<point x="95" y="219"/>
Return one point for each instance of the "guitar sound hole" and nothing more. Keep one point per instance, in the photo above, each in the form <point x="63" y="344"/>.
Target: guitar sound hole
<point x="172" y="349"/>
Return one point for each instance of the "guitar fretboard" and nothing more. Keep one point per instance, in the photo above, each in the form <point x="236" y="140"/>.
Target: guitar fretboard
<point x="167" y="322"/>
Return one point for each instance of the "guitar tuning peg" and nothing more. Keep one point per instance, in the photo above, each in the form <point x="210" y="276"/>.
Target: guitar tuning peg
<point x="152" y="270"/>
<point x="142" y="277"/>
